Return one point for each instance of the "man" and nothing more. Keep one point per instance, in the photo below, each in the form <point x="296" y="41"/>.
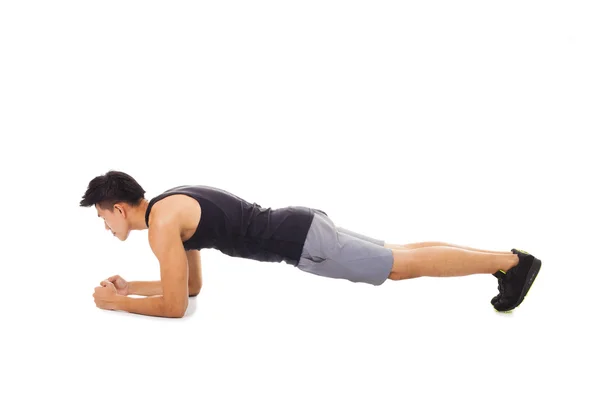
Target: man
<point x="185" y="219"/>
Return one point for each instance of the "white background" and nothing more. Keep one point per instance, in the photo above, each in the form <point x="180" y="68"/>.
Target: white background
<point x="469" y="122"/>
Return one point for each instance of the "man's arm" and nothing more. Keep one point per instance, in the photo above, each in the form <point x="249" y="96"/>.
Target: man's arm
<point x="154" y="288"/>
<point x="145" y="288"/>
<point x="165" y="241"/>
<point x="194" y="271"/>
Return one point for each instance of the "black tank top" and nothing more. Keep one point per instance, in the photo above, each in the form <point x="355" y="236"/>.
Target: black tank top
<point x="239" y="228"/>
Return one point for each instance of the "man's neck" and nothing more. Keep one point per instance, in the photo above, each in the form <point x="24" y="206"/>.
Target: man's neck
<point x="138" y="216"/>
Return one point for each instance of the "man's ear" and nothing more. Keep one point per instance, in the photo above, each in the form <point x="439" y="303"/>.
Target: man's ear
<point x="120" y="209"/>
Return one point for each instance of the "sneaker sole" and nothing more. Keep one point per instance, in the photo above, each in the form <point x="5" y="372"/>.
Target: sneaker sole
<point x="531" y="275"/>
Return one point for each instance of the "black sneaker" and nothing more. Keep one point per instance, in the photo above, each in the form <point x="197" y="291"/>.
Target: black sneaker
<point x="514" y="284"/>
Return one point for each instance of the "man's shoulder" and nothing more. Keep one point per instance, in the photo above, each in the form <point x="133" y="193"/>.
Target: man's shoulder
<point x="176" y="208"/>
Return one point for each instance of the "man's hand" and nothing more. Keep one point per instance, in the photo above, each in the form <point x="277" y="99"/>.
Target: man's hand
<point x="105" y="296"/>
<point x="121" y="285"/>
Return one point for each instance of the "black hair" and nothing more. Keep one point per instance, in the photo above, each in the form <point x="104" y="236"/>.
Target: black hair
<point x="111" y="188"/>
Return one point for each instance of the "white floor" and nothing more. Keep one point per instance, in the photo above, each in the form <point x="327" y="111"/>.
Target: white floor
<point x="465" y="122"/>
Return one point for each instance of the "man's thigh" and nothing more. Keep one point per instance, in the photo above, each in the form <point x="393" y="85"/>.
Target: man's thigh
<point x="333" y="253"/>
<point x="348" y="232"/>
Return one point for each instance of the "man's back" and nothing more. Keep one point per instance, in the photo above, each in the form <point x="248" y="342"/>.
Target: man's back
<point x="239" y="228"/>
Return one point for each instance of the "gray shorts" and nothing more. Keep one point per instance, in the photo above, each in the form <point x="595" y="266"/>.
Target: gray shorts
<point x="336" y="252"/>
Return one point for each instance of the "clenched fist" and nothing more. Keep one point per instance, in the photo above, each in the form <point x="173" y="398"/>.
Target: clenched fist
<point x="104" y="296"/>
<point x="121" y="284"/>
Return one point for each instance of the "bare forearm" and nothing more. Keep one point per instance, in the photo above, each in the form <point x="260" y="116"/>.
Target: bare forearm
<point x="145" y="288"/>
<point x="154" y="306"/>
<point x="154" y="288"/>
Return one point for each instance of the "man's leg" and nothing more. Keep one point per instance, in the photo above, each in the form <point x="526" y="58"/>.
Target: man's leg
<point x="412" y="245"/>
<point x="432" y="244"/>
<point x="442" y="261"/>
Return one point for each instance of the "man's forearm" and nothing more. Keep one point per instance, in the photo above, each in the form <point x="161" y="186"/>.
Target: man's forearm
<point x="154" y="306"/>
<point x="154" y="288"/>
<point x="145" y="288"/>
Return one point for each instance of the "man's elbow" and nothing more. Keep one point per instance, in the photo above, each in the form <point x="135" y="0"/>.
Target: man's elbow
<point x="176" y="310"/>
<point x="176" y="314"/>
<point x="194" y="290"/>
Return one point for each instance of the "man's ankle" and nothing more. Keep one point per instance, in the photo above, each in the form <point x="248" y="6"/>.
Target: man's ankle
<point x="514" y="262"/>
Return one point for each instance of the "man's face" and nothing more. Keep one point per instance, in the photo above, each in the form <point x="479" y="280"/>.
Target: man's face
<point x="115" y="221"/>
